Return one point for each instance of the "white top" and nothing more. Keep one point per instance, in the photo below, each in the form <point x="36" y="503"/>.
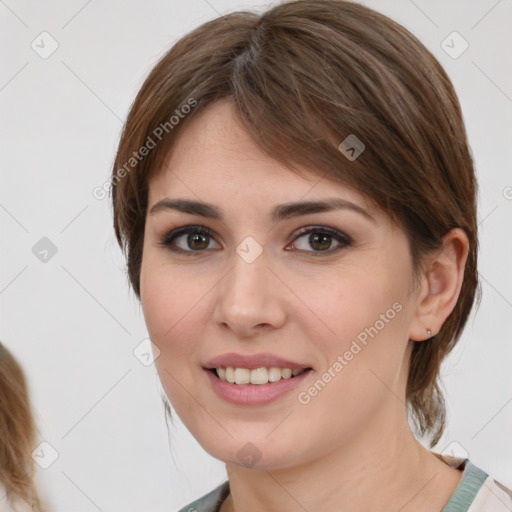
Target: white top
<point x="477" y="491"/>
<point x="492" y="496"/>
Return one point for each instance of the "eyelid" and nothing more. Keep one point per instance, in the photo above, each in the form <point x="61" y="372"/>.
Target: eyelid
<point x="341" y="237"/>
<point x="170" y="236"/>
<point x="336" y="233"/>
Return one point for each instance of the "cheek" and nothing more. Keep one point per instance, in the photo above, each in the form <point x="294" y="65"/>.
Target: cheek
<point x="362" y="319"/>
<point x="158" y="301"/>
<point x="168" y="305"/>
<point x="348" y="305"/>
<point x="172" y="323"/>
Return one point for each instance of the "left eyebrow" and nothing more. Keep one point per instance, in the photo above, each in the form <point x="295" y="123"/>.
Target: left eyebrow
<point x="280" y="212"/>
<point x="289" y="210"/>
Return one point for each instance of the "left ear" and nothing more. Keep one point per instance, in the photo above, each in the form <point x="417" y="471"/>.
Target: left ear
<point x="441" y="284"/>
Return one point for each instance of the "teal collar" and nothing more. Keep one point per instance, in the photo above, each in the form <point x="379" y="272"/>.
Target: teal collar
<point x="470" y="483"/>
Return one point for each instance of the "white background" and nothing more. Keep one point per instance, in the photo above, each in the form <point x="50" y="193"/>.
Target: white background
<point x="72" y="321"/>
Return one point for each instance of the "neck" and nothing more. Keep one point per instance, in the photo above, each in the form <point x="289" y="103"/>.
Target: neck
<point x="383" y="467"/>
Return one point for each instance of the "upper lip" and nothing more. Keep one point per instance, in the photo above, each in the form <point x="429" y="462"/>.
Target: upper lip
<point x="263" y="360"/>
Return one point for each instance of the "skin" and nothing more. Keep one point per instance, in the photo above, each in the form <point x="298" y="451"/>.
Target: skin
<point x="351" y="443"/>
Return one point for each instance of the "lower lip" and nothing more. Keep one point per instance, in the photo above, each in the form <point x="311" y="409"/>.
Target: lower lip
<point x="254" y="394"/>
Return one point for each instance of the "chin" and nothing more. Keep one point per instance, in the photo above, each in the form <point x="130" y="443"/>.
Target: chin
<point x="254" y="452"/>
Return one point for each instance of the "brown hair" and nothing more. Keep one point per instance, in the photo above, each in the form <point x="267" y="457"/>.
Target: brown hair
<point x="303" y="76"/>
<point x="17" y="433"/>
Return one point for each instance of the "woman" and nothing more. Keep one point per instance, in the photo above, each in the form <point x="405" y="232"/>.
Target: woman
<point x="296" y="199"/>
<point x="17" y="435"/>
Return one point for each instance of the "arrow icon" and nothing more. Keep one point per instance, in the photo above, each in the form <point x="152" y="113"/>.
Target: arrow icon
<point x="454" y="45"/>
<point x="44" y="455"/>
<point x="44" y="45"/>
<point x="249" y="249"/>
<point x="44" y="250"/>
<point x="351" y="147"/>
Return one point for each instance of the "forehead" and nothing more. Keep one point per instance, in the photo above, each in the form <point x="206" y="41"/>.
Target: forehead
<point x="215" y="156"/>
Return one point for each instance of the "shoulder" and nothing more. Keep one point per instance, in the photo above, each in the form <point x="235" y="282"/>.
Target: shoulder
<point x="492" y="495"/>
<point x="210" y="502"/>
<point x="479" y="492"/>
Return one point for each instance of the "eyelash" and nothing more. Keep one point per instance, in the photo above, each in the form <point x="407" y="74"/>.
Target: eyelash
<point x="343" y="239"/>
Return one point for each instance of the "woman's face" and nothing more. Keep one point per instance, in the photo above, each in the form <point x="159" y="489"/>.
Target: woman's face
<point x="256" y="292"/>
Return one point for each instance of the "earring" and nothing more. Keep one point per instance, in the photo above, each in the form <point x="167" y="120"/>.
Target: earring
<point x="429" y="332"/>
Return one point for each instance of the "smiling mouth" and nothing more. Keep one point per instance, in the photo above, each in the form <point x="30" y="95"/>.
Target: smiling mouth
<point x="257" y="376"/>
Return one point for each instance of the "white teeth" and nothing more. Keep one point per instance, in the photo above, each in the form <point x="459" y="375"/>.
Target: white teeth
<point x="230" y="374"/>
<point x="257" y="375"/>
<point x="286" y="373"/>
<point x="274" y="374"/>
<point x="242" y="376"/>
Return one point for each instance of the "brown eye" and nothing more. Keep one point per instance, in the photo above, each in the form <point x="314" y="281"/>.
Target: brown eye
<point x="199" y="239"/>
<point x="320" y="239"/>
<point x="188" y="240"/>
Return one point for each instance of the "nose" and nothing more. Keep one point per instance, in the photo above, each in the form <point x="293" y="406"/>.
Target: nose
<point x="249" y="298"/>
